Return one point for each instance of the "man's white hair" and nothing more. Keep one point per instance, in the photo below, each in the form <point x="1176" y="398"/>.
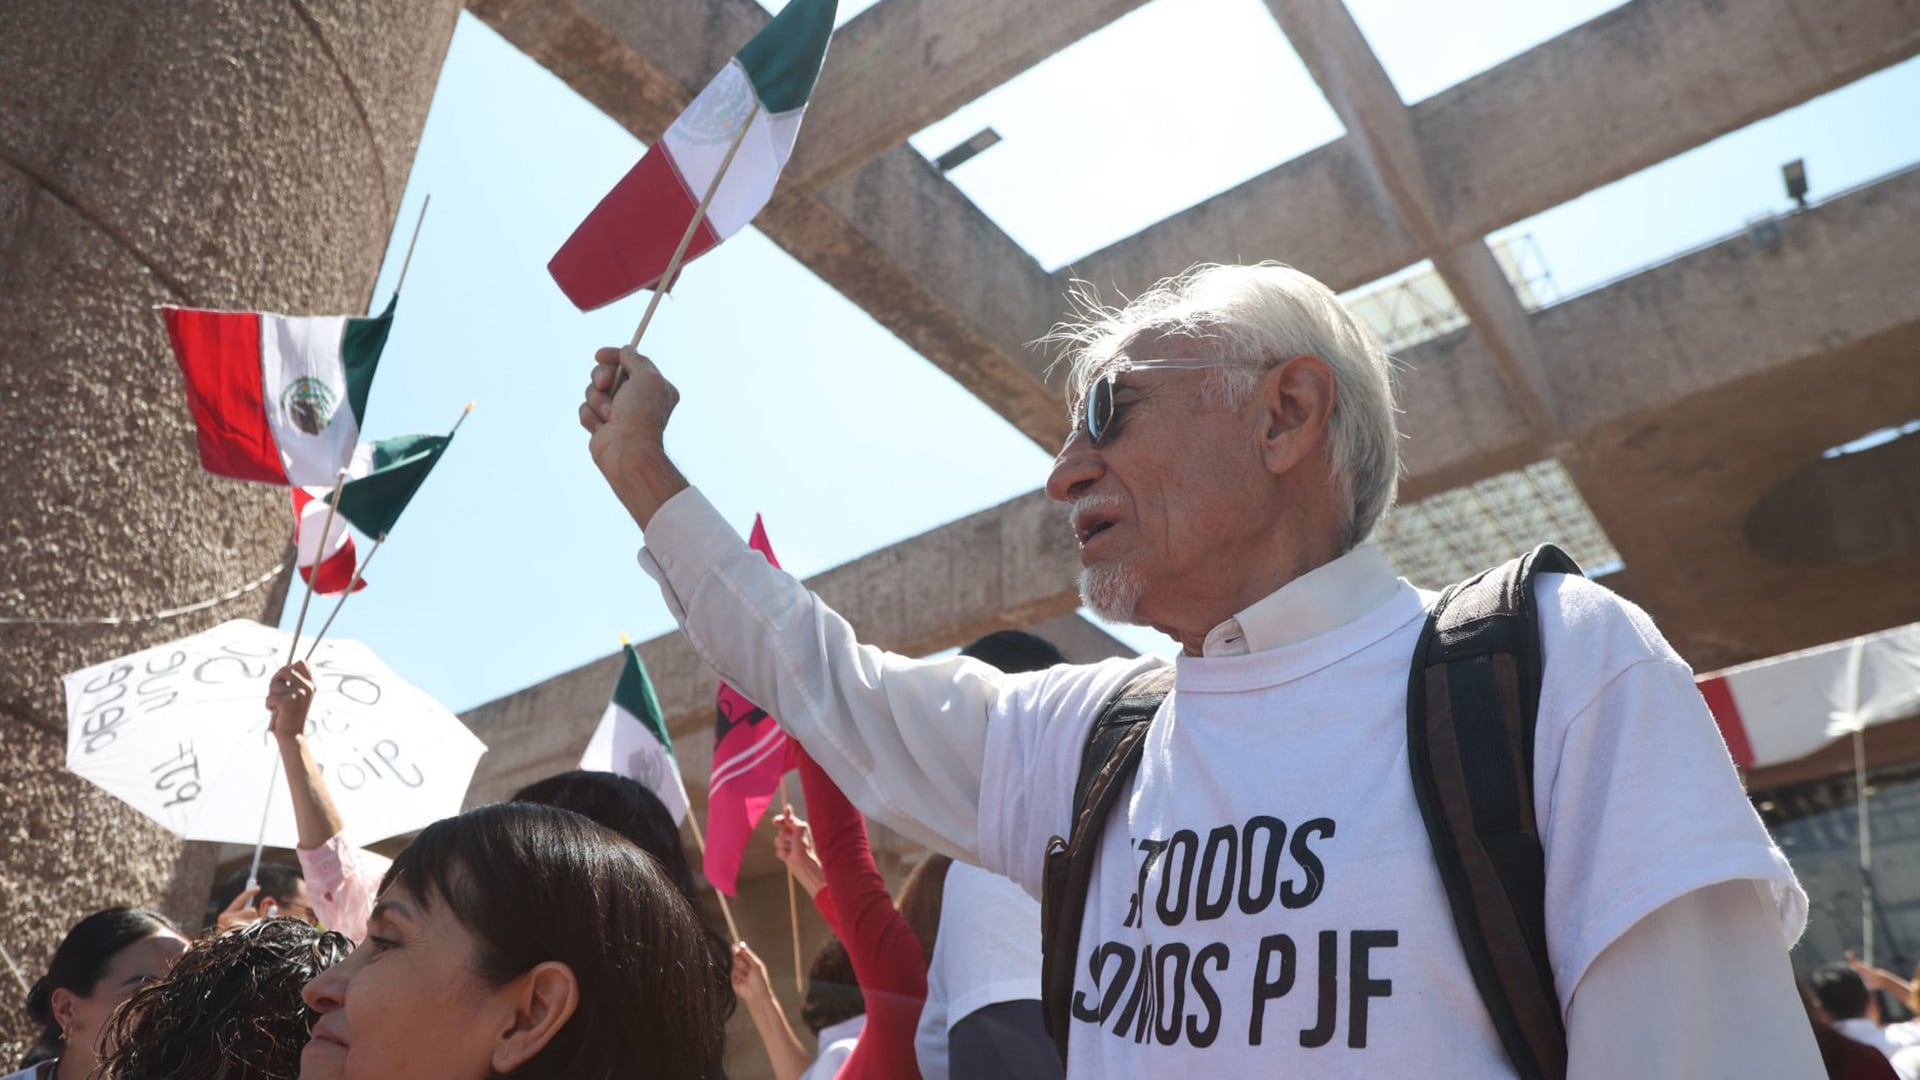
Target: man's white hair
<point x="1263" y="314"/>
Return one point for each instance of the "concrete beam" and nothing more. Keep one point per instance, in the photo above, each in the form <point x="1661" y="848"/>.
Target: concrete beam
<point x="1547" y="126"/>
<point x="1081" y="641"/>
<point x="1723" y="375"/>
<point x="1671" y="333"/>
<point x="1336" y="53"/>
<point x="1572" y="114"/>
<point x="901" y="65"/>
<point x="914" y="252"/>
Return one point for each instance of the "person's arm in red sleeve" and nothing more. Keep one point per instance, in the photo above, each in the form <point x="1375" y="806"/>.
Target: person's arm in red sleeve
<point x="793" y="843"/>
<point x="886" y="954"/>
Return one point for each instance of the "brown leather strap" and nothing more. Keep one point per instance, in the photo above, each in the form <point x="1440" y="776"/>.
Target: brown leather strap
<point x="1112" y="755"/>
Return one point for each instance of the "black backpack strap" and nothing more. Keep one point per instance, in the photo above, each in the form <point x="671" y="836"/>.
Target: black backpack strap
<point x="1107" y="765"/>
<point x="1472" y="702"/>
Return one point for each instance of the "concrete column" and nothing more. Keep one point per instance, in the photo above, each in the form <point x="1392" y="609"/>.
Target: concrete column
<point x="220" y="153"/>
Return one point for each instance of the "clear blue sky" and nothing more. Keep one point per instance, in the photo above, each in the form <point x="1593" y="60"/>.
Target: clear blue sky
<point x="514" y="562"/>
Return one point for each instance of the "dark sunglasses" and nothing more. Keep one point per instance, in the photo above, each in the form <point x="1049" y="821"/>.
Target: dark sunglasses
<point x="1096" y="409"/>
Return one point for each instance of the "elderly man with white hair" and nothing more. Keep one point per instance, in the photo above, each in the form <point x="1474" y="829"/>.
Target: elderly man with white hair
<point x="1265" y="897"/>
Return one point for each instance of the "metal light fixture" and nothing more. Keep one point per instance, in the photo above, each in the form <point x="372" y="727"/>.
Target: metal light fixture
<point x="965" y="152"/>
<point x="1795" y="174"/>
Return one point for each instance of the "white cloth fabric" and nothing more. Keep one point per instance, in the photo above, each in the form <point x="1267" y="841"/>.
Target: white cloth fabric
<point x="1336" y="955"/>
<point x="836" y="1046"/>
<point x="1903" y="1034"/>
<point x="987" y="952"/>
<point x="1862" y="1030"/>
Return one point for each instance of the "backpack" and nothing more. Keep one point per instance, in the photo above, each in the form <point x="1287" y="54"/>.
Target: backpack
<point x="1472" y="699"/>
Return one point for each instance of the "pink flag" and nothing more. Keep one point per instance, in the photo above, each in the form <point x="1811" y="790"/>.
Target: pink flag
<point x="749" y="757"/>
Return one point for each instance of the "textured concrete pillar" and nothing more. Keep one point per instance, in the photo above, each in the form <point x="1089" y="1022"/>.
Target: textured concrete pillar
<point x="222" y="153"/>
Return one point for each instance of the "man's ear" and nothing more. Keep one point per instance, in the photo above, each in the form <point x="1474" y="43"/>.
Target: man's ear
<point x="1297" y="397"/>
<point x="543" y="1000"/>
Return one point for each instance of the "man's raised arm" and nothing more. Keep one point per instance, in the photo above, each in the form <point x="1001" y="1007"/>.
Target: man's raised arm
<point x="903" y="738"/>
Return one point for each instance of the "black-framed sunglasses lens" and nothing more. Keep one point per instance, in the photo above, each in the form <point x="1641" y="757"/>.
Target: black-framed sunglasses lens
<point x="1096" y="412"/>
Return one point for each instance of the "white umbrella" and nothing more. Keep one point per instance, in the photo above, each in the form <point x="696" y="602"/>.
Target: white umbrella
<point x="179" y="732"/>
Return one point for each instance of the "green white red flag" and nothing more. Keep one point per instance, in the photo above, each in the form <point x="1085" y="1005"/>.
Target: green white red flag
<point x="632" y="739"/>
<point x="625" y="244"/>
<point x="325" y="563"/>
<point x="383" y="477"/>
<point x="276" y="398"/>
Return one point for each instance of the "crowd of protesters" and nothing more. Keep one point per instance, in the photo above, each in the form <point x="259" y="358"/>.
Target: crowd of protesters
<point x="1234" y="445"/>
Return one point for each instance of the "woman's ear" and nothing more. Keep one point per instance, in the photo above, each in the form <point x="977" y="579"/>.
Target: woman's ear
<point x="543" y="1000"/>
<point x="61" y="1005"/>
<point x="1297" y="397"/>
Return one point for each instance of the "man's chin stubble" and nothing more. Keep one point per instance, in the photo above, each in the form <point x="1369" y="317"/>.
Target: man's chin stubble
<point x="1112" y="591"/>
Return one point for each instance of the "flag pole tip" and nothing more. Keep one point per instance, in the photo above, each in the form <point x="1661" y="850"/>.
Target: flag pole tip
<point x="623" y="639"/>
<point x="469" y="408"/>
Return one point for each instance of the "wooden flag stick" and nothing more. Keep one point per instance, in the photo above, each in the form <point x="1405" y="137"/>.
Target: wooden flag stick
<point x="693" y="227"/>
<point x="700" y="841"/>
<point x="408" y="261"/>
<point x="686" y="241"/>
<point x="358" y="573"/>
<point x="793" y="907"/>
<point x="293" y="647"/>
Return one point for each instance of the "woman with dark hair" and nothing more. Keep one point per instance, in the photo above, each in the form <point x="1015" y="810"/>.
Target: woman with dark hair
<point x="342" y="879"/>
<point x="525" y="941"/>
<point x="230" y="1009"/>
<point x="99" y="964"/>
<point x="624" y="805"/>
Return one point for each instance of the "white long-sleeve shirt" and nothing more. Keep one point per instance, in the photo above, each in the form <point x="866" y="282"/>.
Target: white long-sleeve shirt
<point x="1669" y="910"/>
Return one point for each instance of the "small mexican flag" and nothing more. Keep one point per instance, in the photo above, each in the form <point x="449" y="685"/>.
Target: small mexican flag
<point x="625" y="244"/>
<point x="277" y="398"/>
<point x="383" y="477"/>
<point x="326" y="564"/>
<point x="632" y="739"/>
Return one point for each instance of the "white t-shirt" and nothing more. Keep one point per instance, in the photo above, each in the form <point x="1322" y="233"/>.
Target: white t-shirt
<point x="987" y="952"/>
<point x="836" y="1046"/>
<point x="1265" y="900"/>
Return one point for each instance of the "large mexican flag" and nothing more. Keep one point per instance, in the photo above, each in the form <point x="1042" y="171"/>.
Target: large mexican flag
<point x="277" y="398"/>
<point x="632" y="739"/>
<point x="625" y="244"/>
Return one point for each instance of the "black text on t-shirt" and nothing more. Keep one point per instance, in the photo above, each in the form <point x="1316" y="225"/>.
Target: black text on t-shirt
<point x="1170" y="991"/>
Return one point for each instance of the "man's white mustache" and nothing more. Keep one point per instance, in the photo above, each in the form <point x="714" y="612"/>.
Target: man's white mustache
<point x="1091" y="504"/>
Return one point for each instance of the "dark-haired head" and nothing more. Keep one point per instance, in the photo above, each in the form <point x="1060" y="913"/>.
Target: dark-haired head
<point x="1014" y="651"/>
<point x="833" y="991"/>
<point x="623" y="805"/>
<point x="526" y="941"/>
<point x="102" y="960"/>
<point x="283" y="891"/>
<point x="921" y="898"/>
<point x="229" y="1010"/>
<point x="1841" y="992"/>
